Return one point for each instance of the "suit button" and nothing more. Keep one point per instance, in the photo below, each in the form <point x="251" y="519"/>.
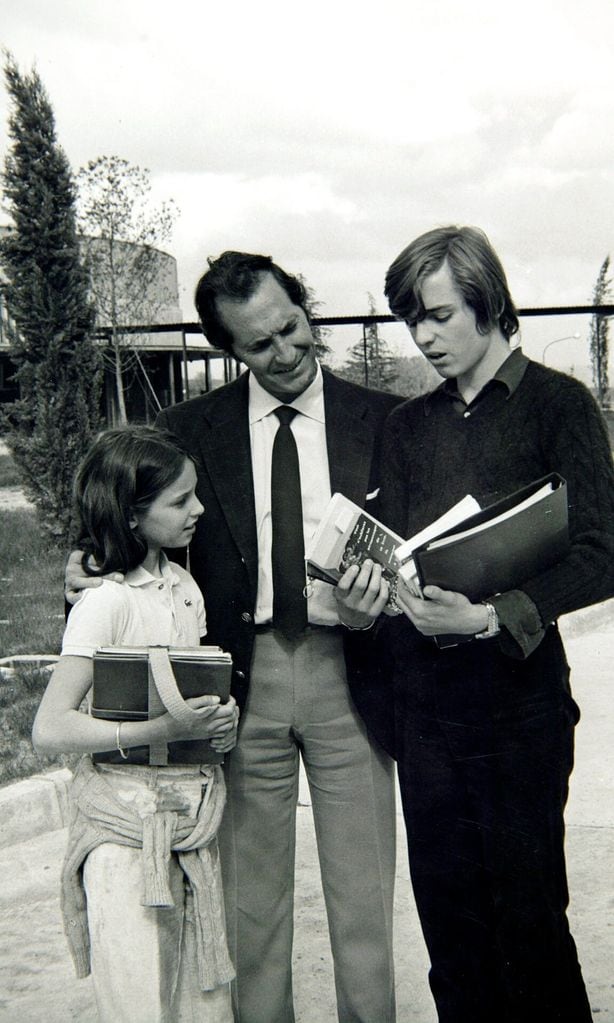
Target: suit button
<point x="247" y="617"/>
<point x="240" y="674"/>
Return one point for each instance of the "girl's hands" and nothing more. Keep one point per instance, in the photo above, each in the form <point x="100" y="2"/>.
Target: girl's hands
<point x="216" y="721"/>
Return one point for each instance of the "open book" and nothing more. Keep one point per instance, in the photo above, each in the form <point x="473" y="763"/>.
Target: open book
<point x="348" y="535"/>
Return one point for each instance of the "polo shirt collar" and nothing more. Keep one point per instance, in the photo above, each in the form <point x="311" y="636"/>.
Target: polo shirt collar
<point x="510" y="374"/>
<point x="139" y="576"/>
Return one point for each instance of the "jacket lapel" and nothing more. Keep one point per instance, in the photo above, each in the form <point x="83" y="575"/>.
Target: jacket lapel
<point x="226" y="453"/>
<point x="349" y="439"/>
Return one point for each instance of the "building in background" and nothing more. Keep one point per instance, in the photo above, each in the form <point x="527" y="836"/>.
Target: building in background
<point x="158" y="364"/>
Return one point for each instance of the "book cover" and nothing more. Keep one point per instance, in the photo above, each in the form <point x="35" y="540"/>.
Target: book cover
<point x="348" y="535"/>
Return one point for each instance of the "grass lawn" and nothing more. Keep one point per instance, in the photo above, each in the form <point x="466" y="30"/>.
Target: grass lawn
<point x="31" y="622"/>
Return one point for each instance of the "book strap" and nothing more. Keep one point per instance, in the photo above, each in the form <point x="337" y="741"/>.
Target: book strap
<point x="163" y="694"/>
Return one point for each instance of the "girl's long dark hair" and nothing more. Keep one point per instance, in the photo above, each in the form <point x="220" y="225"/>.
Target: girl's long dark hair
<point x="124" y="471"/>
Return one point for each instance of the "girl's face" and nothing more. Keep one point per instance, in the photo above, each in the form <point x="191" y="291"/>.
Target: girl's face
<point x="171" y="518"/>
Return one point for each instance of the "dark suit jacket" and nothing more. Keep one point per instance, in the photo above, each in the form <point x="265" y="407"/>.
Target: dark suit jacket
<point x="214" y="428"/>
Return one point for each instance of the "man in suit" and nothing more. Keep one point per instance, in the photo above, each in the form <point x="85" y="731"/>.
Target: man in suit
<point x="293" y="691"/>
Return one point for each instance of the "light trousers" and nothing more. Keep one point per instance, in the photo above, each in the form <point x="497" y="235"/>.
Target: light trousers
<point x="299" y="707"/>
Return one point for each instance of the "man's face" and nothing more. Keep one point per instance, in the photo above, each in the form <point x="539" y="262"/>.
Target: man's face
<point x="447" y="333"/>
<point x="272" y="337"/>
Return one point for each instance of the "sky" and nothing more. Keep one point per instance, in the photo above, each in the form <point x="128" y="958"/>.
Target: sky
<point x="330" y="134"/>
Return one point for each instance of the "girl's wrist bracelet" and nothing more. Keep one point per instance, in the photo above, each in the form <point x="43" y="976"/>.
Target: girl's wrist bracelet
<point x="118" y="741"/>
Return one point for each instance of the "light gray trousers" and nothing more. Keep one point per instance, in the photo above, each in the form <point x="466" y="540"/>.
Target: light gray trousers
<point x="299" y="706"/>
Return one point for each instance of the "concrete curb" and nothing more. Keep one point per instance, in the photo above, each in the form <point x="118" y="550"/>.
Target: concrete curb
<point x="34" y="806"/>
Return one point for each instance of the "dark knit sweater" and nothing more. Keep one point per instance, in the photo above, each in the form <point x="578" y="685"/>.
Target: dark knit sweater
<point x="433" y="456"/>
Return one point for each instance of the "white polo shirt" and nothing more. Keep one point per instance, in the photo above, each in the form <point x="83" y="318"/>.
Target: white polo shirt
<point x="144" y="610"/>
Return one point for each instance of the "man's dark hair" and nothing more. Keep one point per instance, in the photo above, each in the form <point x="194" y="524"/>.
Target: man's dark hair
<point x="475" y="268"/>
<point x="236" y="276"/>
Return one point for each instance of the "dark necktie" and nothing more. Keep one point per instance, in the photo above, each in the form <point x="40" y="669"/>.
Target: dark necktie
<point x="287" y="549"/>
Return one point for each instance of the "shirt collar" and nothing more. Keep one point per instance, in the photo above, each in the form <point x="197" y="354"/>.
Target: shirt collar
<point x="510" y="374"/>
<point x="139" y="576"/>
<point x="310" y="403"/>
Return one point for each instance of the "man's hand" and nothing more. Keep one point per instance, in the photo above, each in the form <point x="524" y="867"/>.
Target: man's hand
<point x="442" y="611"/>
<point x="76" y="580"/>
<point x="361" y="594"/>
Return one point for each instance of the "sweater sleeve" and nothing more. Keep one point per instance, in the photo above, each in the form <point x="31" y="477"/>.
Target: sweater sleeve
<point x="576" y="445"/>
<point x="521" y="626"/>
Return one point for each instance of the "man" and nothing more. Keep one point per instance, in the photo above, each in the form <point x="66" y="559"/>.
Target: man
<point x="484" y="729"/>
<point x="292" y="690"/>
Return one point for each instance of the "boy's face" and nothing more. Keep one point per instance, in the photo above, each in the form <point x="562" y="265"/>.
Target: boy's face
<point x="447" y="333"/>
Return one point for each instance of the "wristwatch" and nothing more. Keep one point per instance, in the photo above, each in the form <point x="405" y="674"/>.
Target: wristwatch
<point x="492" y="627"/>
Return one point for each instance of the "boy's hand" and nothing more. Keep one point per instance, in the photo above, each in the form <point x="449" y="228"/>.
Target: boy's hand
<point x="76" y="580"/>
<point x="442" y="611"/>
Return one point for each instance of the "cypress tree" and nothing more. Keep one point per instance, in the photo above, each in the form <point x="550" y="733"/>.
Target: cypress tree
<point x="51" y="424"/>
<point x="600" y="335"/>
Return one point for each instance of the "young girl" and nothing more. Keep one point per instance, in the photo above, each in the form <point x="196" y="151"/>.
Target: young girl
<point x="141" y="885"/>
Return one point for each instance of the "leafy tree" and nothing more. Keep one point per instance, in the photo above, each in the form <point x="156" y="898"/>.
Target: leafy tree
<point x="370" y="361"/>
<point x="599" y="335"/>
<point x="320" y="331"/>
<point x="121" y="234"/>
<point x="49" y="427"/>
<point x="413" y="376"/>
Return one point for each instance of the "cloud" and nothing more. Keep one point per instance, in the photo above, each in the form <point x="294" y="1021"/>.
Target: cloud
<point x="329" y="136"/>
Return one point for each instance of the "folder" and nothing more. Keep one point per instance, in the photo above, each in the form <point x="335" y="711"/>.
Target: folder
<point x="500" y="547"/>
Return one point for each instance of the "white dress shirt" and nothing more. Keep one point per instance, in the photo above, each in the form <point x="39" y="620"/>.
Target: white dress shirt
<point x="309" y="432"/>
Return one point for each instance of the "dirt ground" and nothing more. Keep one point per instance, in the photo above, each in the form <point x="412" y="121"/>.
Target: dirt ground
<point x="12" y="498"/>
<point x="37" y="984"/>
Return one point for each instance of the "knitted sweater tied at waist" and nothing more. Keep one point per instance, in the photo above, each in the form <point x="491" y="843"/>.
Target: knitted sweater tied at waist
<point x="99" y="815"/>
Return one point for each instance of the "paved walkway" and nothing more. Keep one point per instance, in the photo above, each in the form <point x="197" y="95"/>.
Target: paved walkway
<point x="36" y="979"/>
